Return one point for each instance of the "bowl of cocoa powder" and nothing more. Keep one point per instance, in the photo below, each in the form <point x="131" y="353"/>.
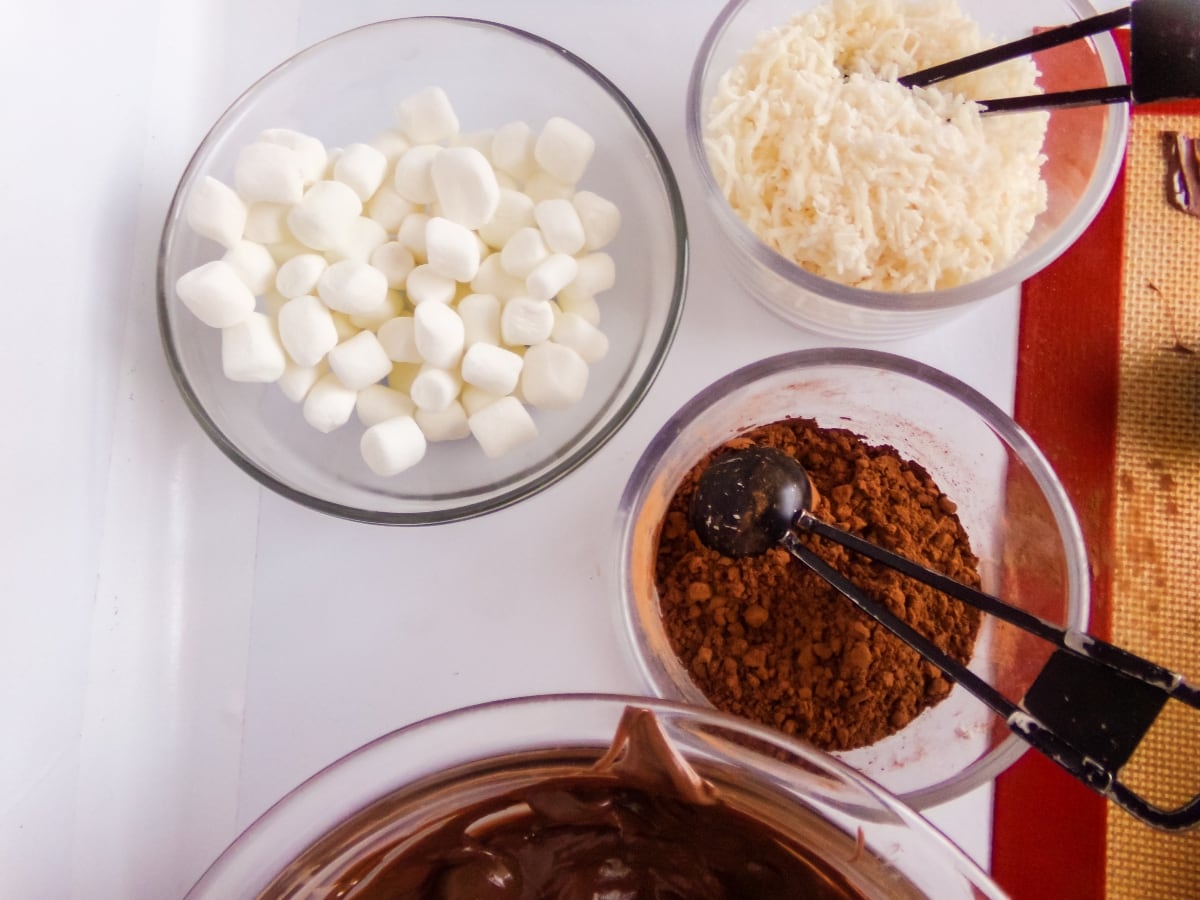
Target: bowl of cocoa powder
<point x="904" y="456"/>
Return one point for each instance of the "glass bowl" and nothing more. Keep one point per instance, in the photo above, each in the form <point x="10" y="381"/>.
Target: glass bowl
<point x="409" y="781"/>
<point x="1084" y="149"/>
<point x="1020" y="524"/>
<point x="347" y="89"/>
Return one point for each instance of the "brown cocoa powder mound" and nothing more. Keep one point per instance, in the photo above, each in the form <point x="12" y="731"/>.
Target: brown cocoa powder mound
<point x="765" y="638"/>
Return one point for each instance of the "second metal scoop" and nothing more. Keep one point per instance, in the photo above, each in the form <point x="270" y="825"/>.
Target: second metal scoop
<point x="1089" y="707"/>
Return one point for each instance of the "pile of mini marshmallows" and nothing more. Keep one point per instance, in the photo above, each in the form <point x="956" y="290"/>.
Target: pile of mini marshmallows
<point x="434" y="284"/>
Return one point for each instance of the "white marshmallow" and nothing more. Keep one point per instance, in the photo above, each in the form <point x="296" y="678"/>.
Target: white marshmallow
<point x="434" y="389"/>
<point x="413" y="176"/>
<point x="392" y="446"/>
<point x="512" y="150"/>
<point x="601" y="218"/>
<point x="427" y="116"/>
<point x="282" y="251"/>
<point x="492" y="279"/>
<point x="480" y="140"/>
<point x="398" y="337"/>
<point x="449" y="424"/>
<point x="388" y="208"/>
<point x="329" y="404"/>
<point x="554" y="376"/>
<point x="411" y="234"/>
<point x="215" y="211"/>
<point x="563" y="149"/>
<point x="480" y="314"/>
<point x="215" y="294"/>
<point x="250" y="350"/>
<point x="352" y="287"/>
<point x="473" y="399"/>
<point x="306" y="329"/>
<point x="360" y="361"/>
<point x="323" y="215"/>
<point x="310" y="151"/>
<point x="439" y="334"/>
<point x="298" y="276"/>
<point x="377" y="403"/>
<point x="491" y="368"/>
<point x="272" y="302"/>
<point x="253" y="264"/>
<point x="502" y="426"/>
<point x="597" y="273"/>
<point x="560" y="225"/>
<point x="266" y="223"/>
<point x="268" y="172"/>
<point x="359" y="240"/>
<point x="395" y="261"/>
<point x="391" y="144"/>
<point x="402" y="377"/>
<point x="362" y="167"/>
<point x="346" y="329"/>
<point x="466" y="186"/>
<point x="296" y="381"/>
<point x="330" y="161"/>
<point x="552" y="274"/>
<point x="424" y="285"/>
<point x="392" y="306"/>
<point x="582" y="305"/>
<point x="574" y="331"/>
<point x="452" y="249"/>
<point x="523" y="252"/>
<point x="513" y="211"/>
<point x="524" y="321"/>
<point x="544" y="186"/>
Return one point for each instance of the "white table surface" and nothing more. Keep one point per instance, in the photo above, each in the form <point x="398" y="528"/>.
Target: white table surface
<point x="180" y="647"/>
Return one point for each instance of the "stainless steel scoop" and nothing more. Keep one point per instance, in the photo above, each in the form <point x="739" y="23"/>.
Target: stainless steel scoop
<point x="1087" y="710"/>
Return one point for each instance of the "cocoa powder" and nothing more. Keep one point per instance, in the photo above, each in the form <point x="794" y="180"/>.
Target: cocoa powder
<point x="765" y="638"/>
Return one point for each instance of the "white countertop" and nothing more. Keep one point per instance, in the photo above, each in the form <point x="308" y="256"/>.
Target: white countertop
<point x="178" y="646"/>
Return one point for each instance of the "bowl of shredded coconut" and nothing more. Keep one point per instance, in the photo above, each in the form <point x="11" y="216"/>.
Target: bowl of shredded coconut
<point x="858" y="207"/>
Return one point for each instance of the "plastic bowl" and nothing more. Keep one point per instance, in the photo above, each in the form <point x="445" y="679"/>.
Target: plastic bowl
<point x="409" y="781"/>
<point x="1084" y="149"/>
<point x="347" y="89"/>
<point x="1012" y="506"/>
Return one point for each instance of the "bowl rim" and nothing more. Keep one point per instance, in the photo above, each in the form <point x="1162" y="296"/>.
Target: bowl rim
<point x="642" y="478"/>
<point x="556" y="466"/>
<point x="1025" y="265"/>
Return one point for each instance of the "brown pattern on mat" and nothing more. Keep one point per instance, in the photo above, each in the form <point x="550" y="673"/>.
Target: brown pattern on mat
<point x="1156" y="596"/>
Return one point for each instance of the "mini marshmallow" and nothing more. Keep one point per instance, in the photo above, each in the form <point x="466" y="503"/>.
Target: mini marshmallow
<point x="215" y="211"/>
<point x="525" y="321"/>
<point x="523" y="252"/>
<point x="439" y="333"/>
<point x="512" y="150"/>
<point x="491" y="368"/>
<point x="392" y="446"/>
<point x="465" y="185"/>
<point x="601" y="219"/>
<point x="388" y="208"/>
<point x="395" y="261"/>
<point x="597" y="273"/>
<point x="560" y="225"/>
<point x="296" y="381"/>
<point x="282" y="251"/>
<point x="480" y="140"/>
<point x="250" y="350"/>
<point x="434" y="389"/>
<point x="306" y="329"/>
<point x="473" y="399"/>
<point x="359" y="240"/>
<point x="298" y="276"/>
<point x="266" y="223"/>
<point x="424" y="285"/>
<point x="492" y="279"/>
<point x="402" y="377"/>
<point x="273" y="302"/>
<point x="582" y="305"/>
<point x="329" y="404"/>
<point x="330" y="162"/>
<point x="377" y="403"/>
<point x="215" y="294"/>
<point x="554" y="376"/>
<point x="411" y="234"/>
<point x="514" y="211"/>
<point x="480" y="315"/>
<point x="391" y="144"/>
<point x="392" y="306"/>
<point x="427" y="116"/>
<point x="552" y="274"/>
<point x="253" y="264"/>
<point x="352" y="287"/>
<point x="574" y="331"/>
<point x="346" y="329"/>
<point x="362" y="167"/>
<point x="563" y="149"/>
<point x="413" y="176"/>
<point x="324" y="214"/>
<point x="310" y="151"/>
<point x="544" y="186"/>
<point x="452" y="249"/>
<point x="360" y="361"/>
<point x="398" y="337"/>
<point x="268" y="172"/>
<point x="502" y="426"/>
<point x="449" y="424"/>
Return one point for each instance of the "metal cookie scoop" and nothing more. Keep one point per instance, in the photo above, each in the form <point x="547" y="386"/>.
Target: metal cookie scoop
<point x="1089" y="707"/>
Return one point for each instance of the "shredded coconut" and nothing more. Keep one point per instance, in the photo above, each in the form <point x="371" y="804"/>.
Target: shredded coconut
<point x="862" y="181"/>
